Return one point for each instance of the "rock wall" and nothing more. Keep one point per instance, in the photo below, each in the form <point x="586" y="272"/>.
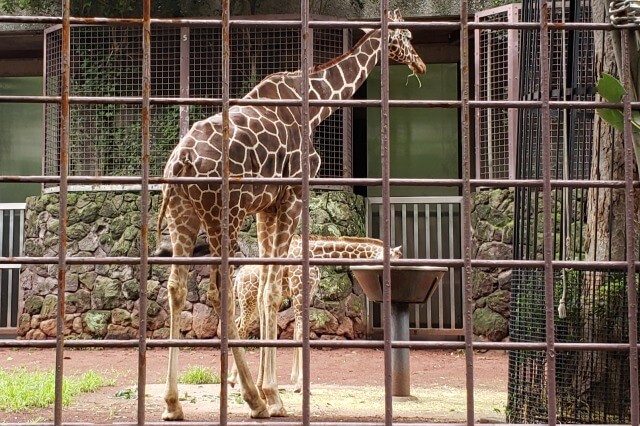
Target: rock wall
<point x="102" y="301"/>
<point x="492" y="235"/>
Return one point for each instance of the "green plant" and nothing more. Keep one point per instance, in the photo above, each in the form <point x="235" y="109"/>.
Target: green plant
<point x="611" y="89"/>
<point x="22" y="390"/>
<point x="199" y="375"/>
<point x="130" y="393"/>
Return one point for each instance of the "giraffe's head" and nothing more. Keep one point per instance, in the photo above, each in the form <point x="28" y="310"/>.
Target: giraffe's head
<point x="400" y="48"/>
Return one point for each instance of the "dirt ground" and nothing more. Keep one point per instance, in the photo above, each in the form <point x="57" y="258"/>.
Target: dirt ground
<point x="346" y="385"/>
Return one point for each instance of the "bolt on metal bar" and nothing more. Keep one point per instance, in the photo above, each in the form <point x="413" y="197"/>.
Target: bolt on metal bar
<point x="306" y="62"/>
<point x="224" y="222"/>
<point x="548" y="251"/>
<point x="466" y="208"/>
<point x="630" y="215"/>
<point x="64" y="172"/>
<point x="386" y="207"/>
<point x="144" y="210"/>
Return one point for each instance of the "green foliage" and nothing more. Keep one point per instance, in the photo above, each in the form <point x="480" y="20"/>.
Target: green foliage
<point x="199" y="375"/>
<point x="22" y="390"/>
<point x="612" y="91"/>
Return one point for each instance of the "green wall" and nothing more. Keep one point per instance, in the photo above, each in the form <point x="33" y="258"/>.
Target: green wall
<point x="424" y="141"/>
<point x="20" y="138"/>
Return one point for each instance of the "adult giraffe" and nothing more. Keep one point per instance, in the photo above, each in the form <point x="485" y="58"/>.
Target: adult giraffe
<point x="265" y="141"/>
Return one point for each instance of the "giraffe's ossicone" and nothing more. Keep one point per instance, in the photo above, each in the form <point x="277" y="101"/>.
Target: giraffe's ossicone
<point x="264" y="142"/>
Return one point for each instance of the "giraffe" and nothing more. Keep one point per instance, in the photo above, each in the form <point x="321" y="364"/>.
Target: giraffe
<point x="264" y="142"/>
<point x="246" y="284"/>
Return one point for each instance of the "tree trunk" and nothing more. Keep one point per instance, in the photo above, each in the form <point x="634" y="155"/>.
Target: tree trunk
<point x="605" y="238"/>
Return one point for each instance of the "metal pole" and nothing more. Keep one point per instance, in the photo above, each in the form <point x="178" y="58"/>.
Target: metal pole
<point x="400" y="362"/>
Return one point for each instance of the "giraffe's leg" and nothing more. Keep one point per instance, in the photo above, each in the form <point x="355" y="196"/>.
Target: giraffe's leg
<point x="183" y="226"/>
<point x="246" y="285"/>
<point x="296" y="302"/>
<point x="247" y="386"/>
<point x="282" y="223"/>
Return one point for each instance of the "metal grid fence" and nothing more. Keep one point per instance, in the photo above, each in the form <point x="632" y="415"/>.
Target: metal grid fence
<point x="107" y="61"/>
<point x="543" y="181"/>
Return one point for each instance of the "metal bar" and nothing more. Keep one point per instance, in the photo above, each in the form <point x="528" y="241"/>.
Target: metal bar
<point x="466" y="204"/>
<point x="403" y="225"/>
<point x="416" y="254"/>
<point x="10" y="273"/>
<point x="387" y="218"/>
<point x="548" y="251"/>
<point x="439" y="290"/>
<point x="630" y="216"/>
<point x="224" y="226"/>
<point x="306" y="62"/>
<point x="144" y="207"/>
<point x="451" y="278"/>
<point x="427" y="242"/>
<point x="62" y="226"/>
<point x="184" y="78"/>
<point x="513" y="83"/>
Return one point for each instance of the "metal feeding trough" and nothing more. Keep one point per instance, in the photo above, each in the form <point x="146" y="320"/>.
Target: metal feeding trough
<point x="409" y="284"/>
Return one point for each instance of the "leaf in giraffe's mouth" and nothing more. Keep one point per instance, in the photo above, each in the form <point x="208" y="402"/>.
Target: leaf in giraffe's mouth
<point x="413" y="74"/>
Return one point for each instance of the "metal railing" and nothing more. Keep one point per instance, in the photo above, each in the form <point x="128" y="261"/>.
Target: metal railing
<point x="11" y="240"/>
<point x="549" y="347"/>
<point x="426" y="228"/>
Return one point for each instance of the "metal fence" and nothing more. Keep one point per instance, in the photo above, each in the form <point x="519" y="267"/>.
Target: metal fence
<point x="497" y="74"/>
<point x="544" y="181"/>
<point x="426" y="228"/>
<point x="11" y="238"/>
<point x="185" y="62"/>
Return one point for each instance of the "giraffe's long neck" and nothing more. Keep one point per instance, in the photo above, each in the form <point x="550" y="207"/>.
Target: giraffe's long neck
<point x="340" y="78"/>
<point x="344" y="248"/>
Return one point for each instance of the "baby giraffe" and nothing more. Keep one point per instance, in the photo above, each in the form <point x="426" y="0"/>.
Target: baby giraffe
<point x="247" y="280"/>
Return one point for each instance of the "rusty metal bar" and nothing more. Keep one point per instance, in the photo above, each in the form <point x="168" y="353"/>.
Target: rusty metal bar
<point x="495" y="183"/>
<point x="523" y="264"/>
<point x="386" y="221"/>
<point x="62" y="227"/>
<point x="224" y="218"/>
<point x="306" y="62"/>
<point x="630" y="216"/>
<point x="351" y="344"/>
<point x="466" y="207"/>
<point x="548" y="251"/>
<point x="144" y="207"/>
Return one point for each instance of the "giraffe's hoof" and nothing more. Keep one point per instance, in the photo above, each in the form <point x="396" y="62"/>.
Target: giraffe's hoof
<point x="174" y="415"/>
<point x="277" y="411"/>
<point x="260" y="413"/>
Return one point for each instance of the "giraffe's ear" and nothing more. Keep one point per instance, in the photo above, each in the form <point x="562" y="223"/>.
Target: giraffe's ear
<point x="396" y="252"/>
<point x="397" y="15"/>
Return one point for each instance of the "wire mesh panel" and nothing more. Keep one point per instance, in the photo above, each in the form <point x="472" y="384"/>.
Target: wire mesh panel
<point x="496" y="74"/>
<point x="592" y="386"/>
<point x="107" y="61"/>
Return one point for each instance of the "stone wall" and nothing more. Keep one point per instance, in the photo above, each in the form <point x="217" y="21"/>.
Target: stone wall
<point x="102" y="300"/>
<point x="492" y="234"/>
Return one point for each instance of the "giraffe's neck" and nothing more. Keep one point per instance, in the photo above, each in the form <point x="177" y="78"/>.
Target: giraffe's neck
<point x="343" y="247"/>
<point x="340" y="78"/>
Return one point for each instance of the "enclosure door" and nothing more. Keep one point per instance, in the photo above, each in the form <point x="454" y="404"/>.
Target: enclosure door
<point x="424" y="141"/>
<point x="426" y="220"/>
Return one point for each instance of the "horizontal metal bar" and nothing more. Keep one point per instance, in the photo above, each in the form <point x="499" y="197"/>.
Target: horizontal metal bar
<point x="478" y="263"/>
<point x="290" y="423"/>
<point x="393" y="103"/>
<point x="484" y="183"/>
<point x="318" y="344"/>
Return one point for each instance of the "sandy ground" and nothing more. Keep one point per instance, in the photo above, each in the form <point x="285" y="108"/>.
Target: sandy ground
<point x="346" y="385"/>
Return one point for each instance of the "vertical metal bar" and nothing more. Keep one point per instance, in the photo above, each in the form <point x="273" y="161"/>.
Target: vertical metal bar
<point x="513" y="83"/>
<point x="427" y="242"/>
<point x="489" y="110"/>
<point x="386" y="206"/>
<point x="466" y="203"/>
<point x="10" y="272"/>
<point x="548" y="250"/>
<point x="62" y="227"/>
<point x="404" y="226"/>
<point x="477" y="112"/>
<point x="305" y="63"/>
<point x="144" y="206"/>
<point x="440" y="291"/>
<point x="347" y="121"/>
<point x="392" y="223"/>
<point x="629" y="156"/>
<point x="416" y="254"/>
<point x="185" y="41"/>
<point x="224" y="223"/>
<point x="451" y="278"/>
